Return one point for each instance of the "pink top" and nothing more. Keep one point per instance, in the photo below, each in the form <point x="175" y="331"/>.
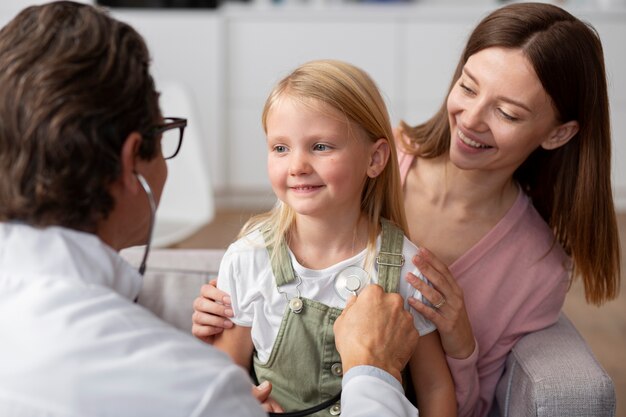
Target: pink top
<point x="514" y="281"/>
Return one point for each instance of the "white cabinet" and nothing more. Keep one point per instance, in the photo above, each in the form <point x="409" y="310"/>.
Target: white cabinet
<point x="411" y="51"/>
<point x="429" y="55"/>
<point x="186" y="48"/>
<point x="230" y="58"/>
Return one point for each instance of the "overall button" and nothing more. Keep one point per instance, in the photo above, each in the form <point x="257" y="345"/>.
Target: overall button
<point x="336" y="369"/>
<point x="296" y="305"/>
<point x="335" y="410"/>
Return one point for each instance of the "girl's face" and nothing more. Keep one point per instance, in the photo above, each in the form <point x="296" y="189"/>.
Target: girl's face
<point x="499" y="113"/>
<point x="317" y="161"/>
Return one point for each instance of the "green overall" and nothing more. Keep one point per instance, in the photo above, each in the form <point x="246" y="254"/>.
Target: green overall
<point x="304" y="365"/>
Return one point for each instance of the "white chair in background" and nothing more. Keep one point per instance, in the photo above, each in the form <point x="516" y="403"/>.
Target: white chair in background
<point x="187" y="202"/>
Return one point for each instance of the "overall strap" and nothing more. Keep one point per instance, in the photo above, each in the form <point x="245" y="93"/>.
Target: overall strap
<point x="281" y="264"/>
<point x="390" y="259"/>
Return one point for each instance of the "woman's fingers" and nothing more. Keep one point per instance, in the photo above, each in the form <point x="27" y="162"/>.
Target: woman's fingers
<point x="434" y="297"/>
<point x="450" y="317"/>
<point x="205" y="333"/>
<point x="211" y="292"/>
<point x="206" y="326"/>
<point x="211" y="312"/>
<point x="429" y="313"/>
<point x="206" y="305"/>
<point x="201" y="318"/>
<point x="435" y="270"/>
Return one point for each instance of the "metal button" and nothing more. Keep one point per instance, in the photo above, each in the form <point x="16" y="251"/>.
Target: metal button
<point x="335" y="410"/>
<point x="296" y="305"/>
<point x="336" y="369"/>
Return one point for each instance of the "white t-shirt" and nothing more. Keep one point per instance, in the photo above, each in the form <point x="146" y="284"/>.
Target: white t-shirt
<point x="246" y="274"/>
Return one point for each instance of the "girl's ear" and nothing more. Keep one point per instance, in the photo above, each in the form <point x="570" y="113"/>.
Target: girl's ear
<point x="561" y="135"/>
<point x="379" y="155"/>
<point x="128" y="159"/>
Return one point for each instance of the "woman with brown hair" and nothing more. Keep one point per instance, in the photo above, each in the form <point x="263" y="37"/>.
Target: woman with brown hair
<point x="509" y="188"/>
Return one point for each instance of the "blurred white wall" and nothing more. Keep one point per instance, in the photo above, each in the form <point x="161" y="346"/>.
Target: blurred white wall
<point x="9" y="8"/>
<point x="229" y="58"/>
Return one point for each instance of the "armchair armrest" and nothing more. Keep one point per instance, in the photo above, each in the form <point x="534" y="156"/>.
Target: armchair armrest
<point x="173" y="279"/>
<point x="552" y="372"/>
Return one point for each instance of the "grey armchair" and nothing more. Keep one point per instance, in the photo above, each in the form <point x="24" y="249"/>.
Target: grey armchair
<point x="552" y="372"/>
<point x="549" y="373"/>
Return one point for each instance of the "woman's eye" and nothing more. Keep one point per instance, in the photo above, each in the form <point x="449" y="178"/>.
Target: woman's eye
<point x="507" y="116"/>
<point x="466" y="89"/>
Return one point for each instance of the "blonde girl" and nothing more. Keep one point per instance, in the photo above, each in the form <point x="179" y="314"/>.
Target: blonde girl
<point x="333" y="166"/>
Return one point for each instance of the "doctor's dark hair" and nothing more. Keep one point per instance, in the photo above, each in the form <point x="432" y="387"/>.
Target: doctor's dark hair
<point x="74" y="83"/>
<point x="570" y="186"/>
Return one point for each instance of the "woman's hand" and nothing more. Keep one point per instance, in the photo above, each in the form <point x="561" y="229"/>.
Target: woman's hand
<point x="211" y="311"/>
<point x="448" y="306"/>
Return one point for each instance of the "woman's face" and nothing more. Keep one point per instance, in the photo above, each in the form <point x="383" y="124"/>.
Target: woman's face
<point x="499" y="112"/>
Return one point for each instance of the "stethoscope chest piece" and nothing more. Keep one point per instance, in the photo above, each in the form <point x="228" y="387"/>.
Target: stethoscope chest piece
<point x="351" y="281"/>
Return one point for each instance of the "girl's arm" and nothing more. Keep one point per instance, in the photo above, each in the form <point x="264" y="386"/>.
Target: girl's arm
<point x="237" y="343"/>
<point x="431" y="377"/>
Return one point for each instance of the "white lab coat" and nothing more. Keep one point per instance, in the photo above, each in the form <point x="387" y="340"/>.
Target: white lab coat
<point x="74" y="344"/>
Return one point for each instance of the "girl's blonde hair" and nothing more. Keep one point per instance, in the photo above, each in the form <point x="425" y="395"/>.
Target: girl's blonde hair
<point x="350" y="91"/>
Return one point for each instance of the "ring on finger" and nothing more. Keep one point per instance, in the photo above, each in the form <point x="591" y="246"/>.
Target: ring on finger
<point x="440" y="303"/>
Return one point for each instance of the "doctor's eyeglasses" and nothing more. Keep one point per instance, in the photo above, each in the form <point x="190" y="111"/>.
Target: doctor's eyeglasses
<point x="171" y="132"/>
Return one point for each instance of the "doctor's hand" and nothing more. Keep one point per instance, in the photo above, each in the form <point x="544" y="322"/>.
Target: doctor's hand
<point x="374" y="329"/>
<point x="211" y="312"/>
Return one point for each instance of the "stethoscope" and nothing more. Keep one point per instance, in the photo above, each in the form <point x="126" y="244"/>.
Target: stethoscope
<point x="152" y="202"/>
<point x="349" y="281"/>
